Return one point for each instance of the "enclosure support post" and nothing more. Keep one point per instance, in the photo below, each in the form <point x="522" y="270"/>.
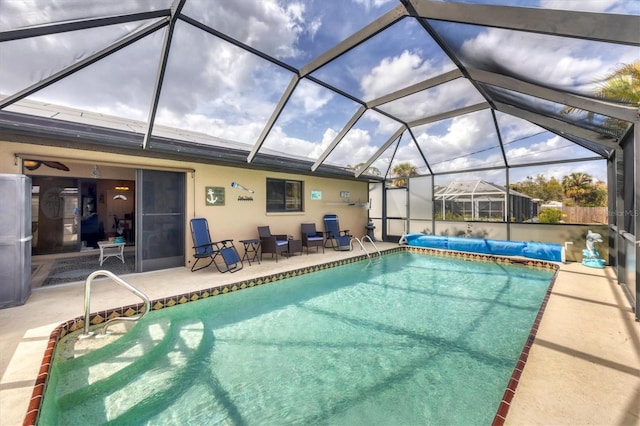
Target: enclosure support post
<point x="636" y="207"/>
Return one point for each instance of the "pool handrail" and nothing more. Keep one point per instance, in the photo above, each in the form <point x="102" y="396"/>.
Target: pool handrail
<point x="362" y="245"/>
<point x="119" y="281"/>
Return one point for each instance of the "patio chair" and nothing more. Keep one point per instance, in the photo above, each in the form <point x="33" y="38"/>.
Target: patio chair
<point x="204" y="248"/>
<point x="310" y="237"/>
<point x="273" y="244"/>
<point x="340" y="239"/>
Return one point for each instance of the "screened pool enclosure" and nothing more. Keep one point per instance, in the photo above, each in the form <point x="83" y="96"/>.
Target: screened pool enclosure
<point x="487" y="91"/>
<point x="480" y="200"/>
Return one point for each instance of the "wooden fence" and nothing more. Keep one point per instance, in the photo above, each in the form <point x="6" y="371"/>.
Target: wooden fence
<point x="585" y="215"/>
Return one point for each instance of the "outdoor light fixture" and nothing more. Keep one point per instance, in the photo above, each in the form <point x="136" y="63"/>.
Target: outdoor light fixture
<point x="31" y="164"/>
<point x="120" y="197"/>
<point x="35" y="164"/>
<point x="95" y="172"/>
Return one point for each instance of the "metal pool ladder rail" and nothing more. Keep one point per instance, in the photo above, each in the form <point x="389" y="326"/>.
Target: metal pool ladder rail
<point x="366" y="237"/>
<point x="121" y="282"/>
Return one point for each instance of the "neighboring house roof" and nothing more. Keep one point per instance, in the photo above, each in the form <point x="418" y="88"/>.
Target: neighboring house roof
<point x="552" y="205"/>
<point x="477" y="187"/>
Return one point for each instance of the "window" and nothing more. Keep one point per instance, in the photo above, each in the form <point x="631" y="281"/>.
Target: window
<point x="284" y="195"/>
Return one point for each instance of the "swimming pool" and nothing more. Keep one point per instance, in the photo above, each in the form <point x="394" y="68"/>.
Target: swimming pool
<point x="409" y="339"/>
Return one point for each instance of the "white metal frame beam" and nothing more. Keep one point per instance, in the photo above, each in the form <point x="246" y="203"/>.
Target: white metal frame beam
<point x="609" y="109"/>
<point x="558" y="126"/>
<point x="176" y="7"/>
<point x="355" y="39"/>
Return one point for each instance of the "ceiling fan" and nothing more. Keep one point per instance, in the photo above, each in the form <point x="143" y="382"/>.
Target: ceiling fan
<point x="35" y="164"/>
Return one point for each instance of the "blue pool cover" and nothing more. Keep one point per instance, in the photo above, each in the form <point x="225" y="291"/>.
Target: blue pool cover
<point x="542" y="251"/>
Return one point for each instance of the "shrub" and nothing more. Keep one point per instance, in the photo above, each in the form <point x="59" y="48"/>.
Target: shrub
<point x="550" y="216"/>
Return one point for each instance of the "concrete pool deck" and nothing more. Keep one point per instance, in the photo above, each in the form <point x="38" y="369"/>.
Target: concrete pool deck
<point x="583" y="367"/>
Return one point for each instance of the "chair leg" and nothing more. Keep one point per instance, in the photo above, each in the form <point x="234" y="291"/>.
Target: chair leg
<point x="232" y="261"/>
<point x="193" y="268"/>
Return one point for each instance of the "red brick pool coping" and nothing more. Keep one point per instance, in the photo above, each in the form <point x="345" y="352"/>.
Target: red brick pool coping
<point x="100" y="317"/>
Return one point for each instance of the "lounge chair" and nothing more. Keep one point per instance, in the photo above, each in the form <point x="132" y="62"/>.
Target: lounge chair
<point x="273" y="244"/>
<point x="310" y="237"/>
<point x="340" y="239"/>
<point x="204" y="248"/>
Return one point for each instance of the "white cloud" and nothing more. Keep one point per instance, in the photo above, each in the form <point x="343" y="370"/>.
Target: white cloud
<point x="465" y="135"/>
<point x="369" y="4"/>
<point x="311" y="97"/>
<point x="394" y="72"/>
<point x="313" y="27"/>
<point x="494" y="176"/>
<point x="597" y="169"/>
<point x="553" y="148"/>
<point x="328" y="137"/>
<point x="245" y="132"/>
<point x="559" y="61"/>
<point x="601" y="6"/>
<point x="513" y="128"/>
<point x="290" y="146"/>
<point x="445" y="97"/>
<point x="266" y="24"/>
<point x="354" y="148"/>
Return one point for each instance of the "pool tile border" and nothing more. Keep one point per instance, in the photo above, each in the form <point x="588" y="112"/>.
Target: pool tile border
<point x="507" y="397"/>
<point x="97" y="318"/>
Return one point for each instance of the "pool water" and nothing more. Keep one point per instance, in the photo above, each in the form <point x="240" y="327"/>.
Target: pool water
<point x="407" y="339"/>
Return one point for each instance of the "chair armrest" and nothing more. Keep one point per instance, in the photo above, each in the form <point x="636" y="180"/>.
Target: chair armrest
<point x="212" y="244"/>
<point x="225" y="243"/>
<point x="281" y="237"/>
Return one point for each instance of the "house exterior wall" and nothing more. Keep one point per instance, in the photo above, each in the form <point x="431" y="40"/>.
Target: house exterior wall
<point x="237" y="219"/>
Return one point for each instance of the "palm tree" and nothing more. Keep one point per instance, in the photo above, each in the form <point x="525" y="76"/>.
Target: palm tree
<point x="577" y="186"/>
<point x="622" y="85"/>
<point x="403" y="170"/>
<point x="373" y="171"/>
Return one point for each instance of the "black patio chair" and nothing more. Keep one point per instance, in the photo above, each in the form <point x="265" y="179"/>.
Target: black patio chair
<point x="273" y="244"/>
<point x="311" y="237"/>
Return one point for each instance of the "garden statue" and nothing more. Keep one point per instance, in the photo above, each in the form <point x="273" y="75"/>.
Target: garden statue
<point x="591" y="257"/>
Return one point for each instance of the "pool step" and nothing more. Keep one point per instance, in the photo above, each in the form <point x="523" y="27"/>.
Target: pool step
<point x="119" y="377"/>
<point x="174" y="385"/>
<point x="74" y="354"/>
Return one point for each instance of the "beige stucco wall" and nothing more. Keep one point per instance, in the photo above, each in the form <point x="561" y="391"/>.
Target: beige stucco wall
<point x="239" y="219"/>
<point x="236" y="219"/>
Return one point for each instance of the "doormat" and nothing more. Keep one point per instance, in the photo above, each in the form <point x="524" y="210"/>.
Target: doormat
<point x="72" y="269"/>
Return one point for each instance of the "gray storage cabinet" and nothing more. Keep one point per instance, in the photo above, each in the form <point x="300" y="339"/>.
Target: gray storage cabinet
<point x="15" y="239"/>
